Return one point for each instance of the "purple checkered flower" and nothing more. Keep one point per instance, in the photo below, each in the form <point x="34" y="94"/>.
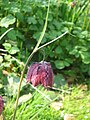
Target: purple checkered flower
<point x="1" y="104"/>
<point x="40" y="73"/>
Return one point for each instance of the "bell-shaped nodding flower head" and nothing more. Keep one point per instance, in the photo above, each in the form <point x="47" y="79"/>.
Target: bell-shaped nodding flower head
<point x="1" y="104"/>
<point x="40" y="73"/>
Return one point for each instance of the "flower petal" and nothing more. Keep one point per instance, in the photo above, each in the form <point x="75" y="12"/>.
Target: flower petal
<point x="1" y="104"/>
<point x="30" y="71"/>
<point x="40" y="73"/>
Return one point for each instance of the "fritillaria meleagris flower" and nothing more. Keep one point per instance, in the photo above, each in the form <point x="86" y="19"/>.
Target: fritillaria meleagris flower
<point x="1" y="104"/>
<point x="40" y="73"/>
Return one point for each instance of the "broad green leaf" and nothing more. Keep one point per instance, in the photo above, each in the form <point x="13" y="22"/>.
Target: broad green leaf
<point x="64" y="43"/>
<point x="20" y="16"/>
<point x="14" y="50"/>
<point x="31" y="20"/>
<point x="7" y="46"/>
<point x="57" y="24"/>
<point x="33" y="27"/>
<point x="74" y="52"/>
<point x="84" y="33"/>
<point x="81" y="36"/>
<point x="84" y="68"/>
<point x="36" y="35"/>
<point x="84" y="48"/>
<point x="26" y="8"/>
<point x="20" y="35"/>
<point x="58" y="50"/>
<point x="7" y="57"/>
<point x="69" y="60"/>
<point x="6" y="64"/>
<point x="1" y="59"/>
<point x="65" y="29"/>
<point x="59" y="64"/>
<point x="6" y="21"/>
<point x="12" y="35"/>
<point x="51" y="54"/>
<point x="14" y="8"/>
<point x="68" y="23"/>
<point x="66" y="63"/>
<point x="59" y="80"/>
<point x="88" y="40"/>
<point x="1" y="86"/>
<point x="51" y="27"/>
<point x="85" y="57"/>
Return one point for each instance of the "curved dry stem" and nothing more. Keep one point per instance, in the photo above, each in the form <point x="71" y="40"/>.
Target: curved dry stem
<point x="5" y="33"/>
<point x="52" y="40"/>
<point x="41" y="93"/>
<point x="31" y="55"/>
<point x="28" y="60"/>
<point x="22" y="75"/>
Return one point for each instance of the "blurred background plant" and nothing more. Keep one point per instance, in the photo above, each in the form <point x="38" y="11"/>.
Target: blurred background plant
<point x="69" y="56"/>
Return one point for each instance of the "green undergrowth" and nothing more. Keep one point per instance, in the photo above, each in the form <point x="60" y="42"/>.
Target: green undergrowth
<point x="75" y="101"/>
<point x="78" y="104"/>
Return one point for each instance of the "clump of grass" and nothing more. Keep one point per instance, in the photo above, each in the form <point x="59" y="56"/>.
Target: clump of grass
<point x="38" y="107"/>
<point x="78" y="104"/>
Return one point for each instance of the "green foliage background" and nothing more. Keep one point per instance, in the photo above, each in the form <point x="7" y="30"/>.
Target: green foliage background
<point x="69" y="56"/>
